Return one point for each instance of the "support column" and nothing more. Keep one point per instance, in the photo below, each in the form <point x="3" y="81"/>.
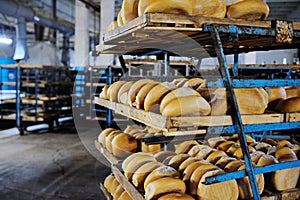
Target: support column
<point x="81" y="35"/>
<point x="107" y="16"/>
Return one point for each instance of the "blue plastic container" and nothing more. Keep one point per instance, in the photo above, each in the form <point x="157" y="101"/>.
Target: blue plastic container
<point x="7" y="74"/>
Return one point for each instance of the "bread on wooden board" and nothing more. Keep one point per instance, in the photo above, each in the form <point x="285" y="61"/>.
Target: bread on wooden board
<point x="129" y="10"/>
<point x="212" y="8"/>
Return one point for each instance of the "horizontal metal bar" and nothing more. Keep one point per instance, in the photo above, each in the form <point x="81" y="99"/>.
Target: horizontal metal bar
<point x="253" y="83"/>
<point x="241" y="30"/>
<point x="256" y="170"/>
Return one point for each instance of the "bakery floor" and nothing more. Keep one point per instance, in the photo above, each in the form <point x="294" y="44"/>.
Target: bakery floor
<point x="56" y="166"/>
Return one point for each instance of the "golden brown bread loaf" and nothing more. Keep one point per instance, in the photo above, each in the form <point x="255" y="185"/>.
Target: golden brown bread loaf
<point x="289" y="105"/>
<point x="166" y="6"/>
<point x="186" y="163"/>
<point x="160" y="156"/>
<point x="103" y="94"/>
<point x="223" y="161"/>
<point x="125" y="196"/>
<point x="151" y="148"/>
<point x="135" y="88"/>
<point x="219" y="191"/>
<point x="195" y="83"/>
<point x="155" y="96"/>
<point x="249" y="10"/>
<point x="141" y="174"/>
<point x="163" y="186"/>
<point x="161" y="172"/>
<point x="218" y="102"/>
<point x="119" y="19"/>
<point x="189" y="170"/>
<point x="185" y="146"/>
<point x="104" y="134"/>
<point x="129" y="10"/>
<point x="176" y="196"/>
<point x="117" y="193"/>
<point x="212" y="8"/>
<point x="224" y="146"/>
<point x="179" y="92"/>
<point x="141" y="95"/>
<point x="214" y="142"/>
<point x="108" y="182"/>
<point x="113" y="90"/>
<point x="176" y="160"/>
<point x="275" y="93"/>
<point x="124" y="91"/>
<point x="292" y="92"/>
<point x="255" y="156"/>
<point x="123" y="145"/>
<point x="190" y="105"/>
<point x="215" y="156"/>
<point x="114" y="184"/>
<point x="251" y="100"/>
<point x="109" y="138"/>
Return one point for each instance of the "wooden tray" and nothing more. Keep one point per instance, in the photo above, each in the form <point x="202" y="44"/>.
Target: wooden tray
<point x="111" y="158"/>
<point x="169" y="123"/>
<point x="105" y="192"/>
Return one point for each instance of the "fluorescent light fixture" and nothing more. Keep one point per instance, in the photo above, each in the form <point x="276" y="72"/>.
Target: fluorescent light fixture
<point x="7" y="41"/>
<point x="36" y="18"/>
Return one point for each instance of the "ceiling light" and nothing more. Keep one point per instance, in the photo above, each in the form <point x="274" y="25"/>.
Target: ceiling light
<point x="7" y="41"/>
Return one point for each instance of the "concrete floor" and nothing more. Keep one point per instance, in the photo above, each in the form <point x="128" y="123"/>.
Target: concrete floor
<point x="49" y="166"/>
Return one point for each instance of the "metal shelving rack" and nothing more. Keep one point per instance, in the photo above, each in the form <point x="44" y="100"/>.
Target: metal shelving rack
<point x="218" y="38"/>
<point x="43" y="94"/>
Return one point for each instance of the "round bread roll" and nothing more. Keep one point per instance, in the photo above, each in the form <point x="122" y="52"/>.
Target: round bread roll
<point x="177" y="160"/>
<point x="196" y="176"/>
<point x="164" y="185"/>
<point x="205" y="152"/>
<point x="141" y="95"/>
<point x="289" y="105"/>
<point x="119" y="190"/>
<point x="195" y="150"/>
<point x="179" y="92"/>
<point x="103" y="94"/>
<point x="219" y="191"/>
<point x="182" y="82"/>
<point x="124" y="90"/>
<point x="114" y="184"/>
<point x="112" y="26"/>
<point x="245" y="187"/>
<point x="161" y="172"/>
<point x="249" y="10"/>
<point x="195" y="83"/>
<point x="215" y="156"/>
<point x="113" y="90"/>
<point x="123" y="145"/>
<point x="129" y="10"/>
<point x="265" y="160"/>
<point x="155" y="96"/>
<point x="134" y="127"/>
<point x="176" y="196"/>
<point x="233" y="165"/>
<point x="251" y="100"/>
<point x="270" y="141"/>
<point x="189" y="170"/>
<point x="239" y="153"/>
<point x="178" y="80"/>
<point x="233" y="148"/>
<point x="109" y="139"/>
<point x="119" y="19"/>
<point x="160" y="156"/>
<point x="108" y="182"/>
<point x="262" y="146"/>
<point x="185" y="146"/>
<point x="285" y="154"/>
<point x="275" y="93"/>
<point x="230" y="2"/>
<point x="135" y="88"/>
<point x="141" y="174"/>
<point x="134" y="156"/>
<point x="213" y="8"/>
<point x="283" y="143"/>
<point x="166" y="6"/>
<point x="255" y="156"/>
<point x="182" y="106"/>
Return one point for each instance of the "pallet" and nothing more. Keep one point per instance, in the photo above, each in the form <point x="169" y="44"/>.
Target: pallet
<point x="186" y="35"/>
<point x="129" y="188"/>
<point x="293" y="194"/>
<point x="293" y="117"/>
<point x="111" y="158"/>
<point x="32" y="66"/>
<point x="168" y="124"/>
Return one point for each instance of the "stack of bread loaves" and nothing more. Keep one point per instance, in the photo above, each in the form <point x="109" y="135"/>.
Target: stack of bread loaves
<point x="114" y="188"/>
<point x="236" y="9"/>
<point x="183" y="97"/>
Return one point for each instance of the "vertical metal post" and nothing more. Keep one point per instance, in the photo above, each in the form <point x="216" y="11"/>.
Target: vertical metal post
<point x="90" y="70"/>
<point x="109" y="82"/>
<point x="18" y="100"/>
<point x="123" y="65"/>
<point x="236" y="116"/>
<point x="236" y="64"/>
<point x="36" y="88"/>
<point x="166" y="63"/>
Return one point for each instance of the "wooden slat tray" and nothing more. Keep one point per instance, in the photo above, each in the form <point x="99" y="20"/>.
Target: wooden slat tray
<point x="105" y="192"/>
<point x="293" y="194"/>
<point x="293" y="117"/>
<point x="177" y="33"/>
<point x="109" y="157"/>
<point x="169" y="123"/>
<point x="130" y="189"/>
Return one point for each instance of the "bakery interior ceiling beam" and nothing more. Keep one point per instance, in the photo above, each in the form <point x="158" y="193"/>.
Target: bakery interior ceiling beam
<point x="254" y="83"/>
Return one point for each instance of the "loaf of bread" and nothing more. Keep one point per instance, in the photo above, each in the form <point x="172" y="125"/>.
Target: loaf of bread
<point x="113" y="90"/>
<point x="141" y="95"/>
<point x="289" y="105"/>
<point x="124" y="145"/>
<point x="219" y="191"/>
<point x="135" y="88"/>
<point x="103" y="94"/>
<point x="176" y="196"/>
<point x="275" y="93"/>
<point x="176" y="160"/>
<point x="167" y="6"/>
<point x="160" y="156"/>
<point x="163" y="186"/>
<point x="179" y="92"/>
<point x="218" y="102"/>
<point x="184" y="147"/>
<point x="292" y="92"/>
<point x="119" y="190"/>
<point x="190" y="105"/>
<point x="129" y="10"/>
<point x="195" y="83"/>
<point x="213" y="8"/>
<point x="112" y="26"/>
<point x="251" y="100"/>
<point x="123" y="91"/>
<point x="125" y="196"/>
<point x="108" y="182"/>
<point x="119" y="19"/>
<point x="249" y="10"/>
